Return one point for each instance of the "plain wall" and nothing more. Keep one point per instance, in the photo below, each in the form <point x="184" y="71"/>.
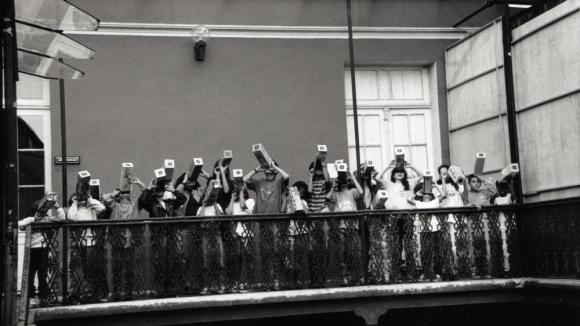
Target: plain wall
<point x="145" y="99"/>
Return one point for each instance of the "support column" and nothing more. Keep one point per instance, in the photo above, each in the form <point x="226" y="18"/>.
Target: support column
<point x="371" y="313"/>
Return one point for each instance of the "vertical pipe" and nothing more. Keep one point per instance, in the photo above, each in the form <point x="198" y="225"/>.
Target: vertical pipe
<point x="63" y="141"/>
<point x="513" y="131"/>
<point x="356" y="138"/>
<point x="64" y="188"/>
<point x="353" y="85"/>
<point x="510" y="98"/>
<point x="8" y="245"/>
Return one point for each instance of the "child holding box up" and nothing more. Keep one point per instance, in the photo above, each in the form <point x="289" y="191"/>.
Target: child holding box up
<point x="43" y="211"/>
<point x="242" y="204"/>
<point x="82" y="207"/>
<point x="431" y="235"/>
<point x="451" y="185"/>
<point x="121" y="206"/>
<point x="269" y="191"/>
<point x="347" y="247"/>
<point x="400" y="230"/>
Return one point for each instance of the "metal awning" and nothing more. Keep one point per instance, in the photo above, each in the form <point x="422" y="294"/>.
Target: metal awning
<point x="40" y="42"/>
<point x="44" y="41"/>
<point x="45" y="66"/>
<point x="57" y="15"/>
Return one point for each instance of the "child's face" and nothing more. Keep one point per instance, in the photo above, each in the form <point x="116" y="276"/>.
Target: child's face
<point x="427" y="198"/>
<point x="443" y="172"/>
<point x="270" y="174"/>
<point x="475" y="183"/>
<point x="399" y="175"/>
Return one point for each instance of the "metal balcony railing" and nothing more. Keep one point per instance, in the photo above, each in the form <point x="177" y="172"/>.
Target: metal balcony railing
<point x="140" y="259"/>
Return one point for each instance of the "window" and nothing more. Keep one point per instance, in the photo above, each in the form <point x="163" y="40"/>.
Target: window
<point x="394" y="112"/>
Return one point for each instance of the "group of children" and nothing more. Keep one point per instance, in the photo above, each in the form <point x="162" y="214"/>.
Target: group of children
<point x="220" y="194"/>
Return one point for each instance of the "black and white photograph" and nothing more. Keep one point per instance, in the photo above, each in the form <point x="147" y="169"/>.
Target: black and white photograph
<point x="290" y="162"/>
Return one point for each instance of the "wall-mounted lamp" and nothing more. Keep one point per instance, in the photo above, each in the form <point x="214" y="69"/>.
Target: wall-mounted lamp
<point x="199" y="36"/>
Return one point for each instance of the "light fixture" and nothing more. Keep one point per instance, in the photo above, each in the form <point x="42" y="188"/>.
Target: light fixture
<point x="520" y="5"/>
<point x="199" y="36"/>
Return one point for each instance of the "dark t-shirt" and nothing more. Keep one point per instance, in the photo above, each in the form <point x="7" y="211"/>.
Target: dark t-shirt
<point x="268" y="195"/>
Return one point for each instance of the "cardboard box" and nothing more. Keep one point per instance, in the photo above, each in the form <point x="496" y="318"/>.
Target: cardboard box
<point x="368" y="167"/>
<point x="46" y="203"/>
<point x="427" y="182"/>
<point x="82" y="191"/>
<point x="238" y="175"/>
<point x="95" y="188"/>
<point x="322" y="151"/>
<point x="169" y="166"/>
<point x="195" y="168"/>
<point x="227" y="157"/>
<point x="342" y="169"/>
<point x="212" y="193"/>
<point x="126" y="175"/>
<point x="160" y="180"/>
<point x="294" y="200"/>
<point x="509" y="171"/>
<point x="380" y="199"/>
<point x="399" y="157"/>
<point x="331" y="168"/>
<point x="262" y="156"/>
<point x="479" y="163"/>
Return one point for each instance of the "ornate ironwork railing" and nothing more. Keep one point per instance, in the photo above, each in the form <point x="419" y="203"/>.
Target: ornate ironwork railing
<point x="138" y="259"/>
<point x="552" y="238"/>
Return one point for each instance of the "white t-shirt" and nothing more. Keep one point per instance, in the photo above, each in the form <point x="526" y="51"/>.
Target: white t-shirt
<point x="397" y="195"/>
<point x="453" y="195"/>
<point x="237" y="210"/>
<point x="432" y="220"/>
<point x="210" y="210"/>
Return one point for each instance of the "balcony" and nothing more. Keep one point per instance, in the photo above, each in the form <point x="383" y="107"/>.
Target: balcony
<point x="366" y="262"/>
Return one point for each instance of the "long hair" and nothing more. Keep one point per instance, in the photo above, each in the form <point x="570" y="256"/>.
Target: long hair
<point x="214" y="176"/>
<point x="404" y="181"/>
<point x="302" y="185"/>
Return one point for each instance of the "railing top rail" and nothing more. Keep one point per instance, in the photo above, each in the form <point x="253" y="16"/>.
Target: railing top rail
<point x="281" y="216"/>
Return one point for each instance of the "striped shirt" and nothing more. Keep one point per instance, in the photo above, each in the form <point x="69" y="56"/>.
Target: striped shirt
<point x="318" y="196"/>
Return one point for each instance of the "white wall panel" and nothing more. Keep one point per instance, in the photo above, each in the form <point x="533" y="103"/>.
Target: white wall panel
<point x="485" y="137"/>
<point x="546" y="52"/>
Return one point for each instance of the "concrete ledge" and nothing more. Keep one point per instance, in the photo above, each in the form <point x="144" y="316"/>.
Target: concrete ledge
<point x="393" y="291"/>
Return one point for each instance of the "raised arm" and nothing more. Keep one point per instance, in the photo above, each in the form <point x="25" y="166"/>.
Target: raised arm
<point x="380" y="175"/>
<point x="356" y="184"/>
<point x="225" y="183"/>
<point x="251" y="174"/>
<point x="283" y="174"/>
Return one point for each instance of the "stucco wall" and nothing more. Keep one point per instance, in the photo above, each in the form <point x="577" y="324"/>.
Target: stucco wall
<point x="145" y="99"/>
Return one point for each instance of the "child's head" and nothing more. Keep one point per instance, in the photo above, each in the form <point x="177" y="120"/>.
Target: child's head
<point x="315" y="168"/>
<point x="239" y="189"/>
<point x="474" y="182"/>
<point x="427" y="197"/>
<point x="398" y="174"/>
<point x="443" y="170"/>
<point x="503" y="187"/>
<point x="302" y="188"/>
<point x="270" y="173"/>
